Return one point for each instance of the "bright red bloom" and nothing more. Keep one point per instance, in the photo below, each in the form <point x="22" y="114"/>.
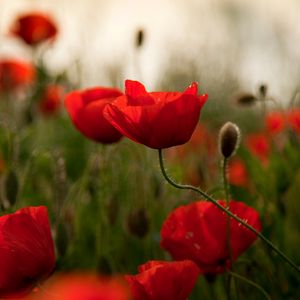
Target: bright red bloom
<point x="159" y="119"/>
<point x="237" y="172"/>
<point x="26" y="250"/>
<point x="15" y="74"/>
<point x="161" y="280"/>
<point x="86" y="111"/>
<point x="83" y="287"/>
<point x="275" y="122"/>
<point x="52" y="99"/>
<point x="198" y="232"/>
<point x="293" y="118"/>
<point x="259" y="146"/>
<point x="34" y="28"/>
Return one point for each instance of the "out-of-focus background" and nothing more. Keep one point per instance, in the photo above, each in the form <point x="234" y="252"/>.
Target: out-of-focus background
<point x="107" y="203"/>
<point x="224" y="44"/>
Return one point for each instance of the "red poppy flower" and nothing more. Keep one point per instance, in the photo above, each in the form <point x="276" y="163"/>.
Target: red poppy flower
<point x="83" y="287"/>
<point x="237" y="172"/>
<point x="34" y="28"/>
<point x="161" y="280"/>
<point x="159" y="119"/>
<point x="15" y="74"/>
<point x="293" y="117"/>
<point x="198" y="232"/>
<point x="275" y="122"/>
<point x="259" y="146"/>
<point x="86" y="111"/>
<point x="26" y="250"/>
<point x="51" y="99"/>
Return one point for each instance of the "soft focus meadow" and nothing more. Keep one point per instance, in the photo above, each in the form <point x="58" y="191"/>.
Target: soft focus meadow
<point x="149" y="156"/>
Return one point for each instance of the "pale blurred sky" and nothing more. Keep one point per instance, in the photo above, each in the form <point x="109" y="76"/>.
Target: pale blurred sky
<point x="255" y="41"/>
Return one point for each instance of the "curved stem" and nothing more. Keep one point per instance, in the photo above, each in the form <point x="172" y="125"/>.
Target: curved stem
<point x="228" y="212"/>
<point x="240" y="277"/>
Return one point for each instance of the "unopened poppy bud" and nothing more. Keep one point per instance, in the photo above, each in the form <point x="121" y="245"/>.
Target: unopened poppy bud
<point x="229" y="139"/>
<point x="246" y="99"/>
<point x="263" y="89"/>
<point x="139" y="38"/>
<point x="138" y="222"/>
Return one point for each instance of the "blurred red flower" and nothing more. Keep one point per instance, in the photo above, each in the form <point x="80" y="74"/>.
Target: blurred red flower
<point x="259" y="146"/>
<point x="15" y="74"/>
<point x="86" y="112"/>
<point x="198" y="232"/>
<point x="51" y="99"/>
<point x="26" y="250"/>
<point x="275" y="122"/>
<point x="237" y="172"/>
<point x="34" y="28"/>
<point x="81" y="286"/>
<point x="293" y="118"/>
<point x="161" y="280"/>
<point x="159" y="119"/>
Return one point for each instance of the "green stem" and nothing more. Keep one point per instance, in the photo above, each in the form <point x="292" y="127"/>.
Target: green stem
<point x="228" y="212"/>
<point x="238" y="276"/>
<point x="228" y="233"/>
<point x="226" y="188"/>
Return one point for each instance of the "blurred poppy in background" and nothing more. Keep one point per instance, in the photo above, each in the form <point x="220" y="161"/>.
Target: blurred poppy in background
<point x="34" y="28"/>
<point x="85" y="109"/>
<point x="258" y="145"/>
<point x="237" y="172"/>
<point x="159" y="119"/>
<point x="198" y="232"/>
<point x="275" y="122"/>
<point x="161" y="280"/>
<point x="51" y="100"/>
<point x="26" y="250"/>
<point x="15" y="74"/>
<point x="82" y="286"/>
<point x="293" y="118"/>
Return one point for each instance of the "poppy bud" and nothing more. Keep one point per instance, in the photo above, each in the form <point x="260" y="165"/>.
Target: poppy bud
<point x="229" y="136"/>
<point x="246" y="99"/>
<point x="138" y="222"/>
<point x="140" y="38"/>
<point x="263" y="89"/>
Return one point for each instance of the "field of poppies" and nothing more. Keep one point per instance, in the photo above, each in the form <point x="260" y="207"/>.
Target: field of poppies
<point x="121" y="193"/>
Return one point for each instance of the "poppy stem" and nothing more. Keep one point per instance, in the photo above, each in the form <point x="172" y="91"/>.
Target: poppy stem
<point x="250" y="282"/>
<point x="228" y="229"/>
<point x="226" y="188"/>
<point x="228" y="212"/>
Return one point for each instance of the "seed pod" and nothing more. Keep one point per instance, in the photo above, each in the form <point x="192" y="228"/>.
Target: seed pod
<point x="229" y="137"/>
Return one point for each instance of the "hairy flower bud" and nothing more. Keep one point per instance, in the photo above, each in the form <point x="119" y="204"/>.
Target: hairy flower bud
<point x="229" y="137"/>
<point x="246" y="99"/>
